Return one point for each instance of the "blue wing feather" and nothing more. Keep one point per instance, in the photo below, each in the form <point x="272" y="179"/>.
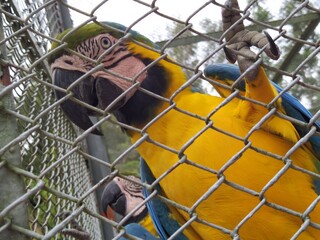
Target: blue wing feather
<point x="224" y="71"/>
<point x="146" y="176"/>
<point x="158" y="210"/>
<point x="295" y="109"/>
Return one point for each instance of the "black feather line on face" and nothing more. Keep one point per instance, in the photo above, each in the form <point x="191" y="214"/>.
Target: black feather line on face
<point x="140" y="108"/>
<point x="116" y="63"/>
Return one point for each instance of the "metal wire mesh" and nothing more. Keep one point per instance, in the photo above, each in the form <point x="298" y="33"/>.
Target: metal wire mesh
<point x="48" y="135"/>
<point x="59" y="191"/>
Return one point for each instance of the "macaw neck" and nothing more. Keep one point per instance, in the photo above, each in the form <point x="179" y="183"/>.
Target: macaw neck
<point x="139" y="217"/>
<point x="163" y="79"/>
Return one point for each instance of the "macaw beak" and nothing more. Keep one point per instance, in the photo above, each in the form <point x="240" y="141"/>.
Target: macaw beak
<point x="113" y="197"/>
<point x="110" y="214"/>
<point x="98" y="92"/>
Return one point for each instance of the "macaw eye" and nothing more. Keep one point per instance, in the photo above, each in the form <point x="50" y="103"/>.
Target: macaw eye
<point x="105" y="42"/>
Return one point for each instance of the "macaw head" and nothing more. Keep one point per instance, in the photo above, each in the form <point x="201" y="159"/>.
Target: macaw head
<point x="100" y="63"/>
<point x="122" y="196"/>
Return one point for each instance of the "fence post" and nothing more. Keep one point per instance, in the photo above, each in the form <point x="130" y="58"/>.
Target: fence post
<point x="97" y="148"/>
<point x="65" y="15"/>
<point x="11" y="185"/>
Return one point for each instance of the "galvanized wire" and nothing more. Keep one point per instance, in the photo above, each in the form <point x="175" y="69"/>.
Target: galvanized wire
<point x="59" y="190"/>
<point x="43" y="154"/>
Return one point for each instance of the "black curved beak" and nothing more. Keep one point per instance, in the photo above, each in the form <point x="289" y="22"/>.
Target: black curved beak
<point x="98" y="92"/>
<point x="113" y="197"/>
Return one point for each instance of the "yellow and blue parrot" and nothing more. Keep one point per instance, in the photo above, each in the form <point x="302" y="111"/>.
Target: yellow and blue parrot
<point x="123" y="196"/>
<point x="233" y="179"/>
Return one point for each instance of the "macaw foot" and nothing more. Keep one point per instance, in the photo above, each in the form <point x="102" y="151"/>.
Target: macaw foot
<point x="77" y="234"/>
<point x="239" y="40"/>
<point x="76" y="231"/>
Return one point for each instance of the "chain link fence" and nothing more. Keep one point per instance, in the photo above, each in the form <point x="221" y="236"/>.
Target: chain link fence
<point x="55" y="175"/>
<point x="49" y="184"/>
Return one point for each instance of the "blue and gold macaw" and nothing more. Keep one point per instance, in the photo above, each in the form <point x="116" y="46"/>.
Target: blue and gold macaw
<point x="232" y="177"/>
<point x="124" y="195"/>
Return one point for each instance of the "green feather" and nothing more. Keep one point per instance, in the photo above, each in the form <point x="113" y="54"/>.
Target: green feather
<point x="73" y="38"/>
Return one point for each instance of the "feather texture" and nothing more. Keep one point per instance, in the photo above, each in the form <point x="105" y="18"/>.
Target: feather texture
<point x="212" y="151"/>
